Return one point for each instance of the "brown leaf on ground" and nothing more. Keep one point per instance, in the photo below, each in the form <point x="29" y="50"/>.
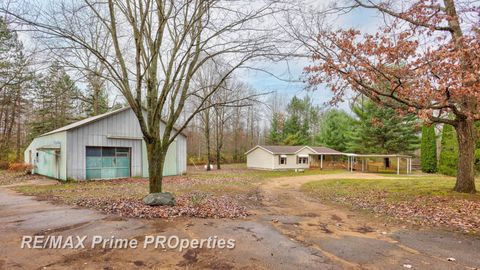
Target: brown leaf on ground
<point x="188" y="205"/>
<point x="438" y="211"/>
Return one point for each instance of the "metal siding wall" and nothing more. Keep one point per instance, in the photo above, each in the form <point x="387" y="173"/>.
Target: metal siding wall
<point x="95" y="134"/>
<point x="122" y="124"/>
<point x="170" y="166"/>
<point x="46" y="165"/>
<point x="181" y="154"/>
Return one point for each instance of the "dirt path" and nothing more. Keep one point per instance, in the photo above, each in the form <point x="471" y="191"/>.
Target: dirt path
<point x="289" y="231"/>
<point x="361" y="241"/>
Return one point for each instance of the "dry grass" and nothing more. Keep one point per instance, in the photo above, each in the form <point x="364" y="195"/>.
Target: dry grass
<point x="234" y="181"/>
<point x="423" y="199"/>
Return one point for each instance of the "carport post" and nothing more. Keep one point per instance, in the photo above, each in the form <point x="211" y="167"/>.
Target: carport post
<point x="321" y="162"/>
<point x="409" y="165"/>
<point x="398" y="165"/>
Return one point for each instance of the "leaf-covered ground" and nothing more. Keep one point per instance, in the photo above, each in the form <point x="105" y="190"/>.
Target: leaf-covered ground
<point x="10" y="178"/>
<point x="423" y="200"/>
<point x="194" y="197"/>
<point x="226" y="193"/>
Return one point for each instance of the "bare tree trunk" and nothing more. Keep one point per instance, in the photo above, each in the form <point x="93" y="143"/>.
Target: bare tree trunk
<point x="18" y="142"/>
<point x="218" y="145"/>
<point x="466" y="136"/>
<point x="207" y="138"/>
<point x="156" y="158"/>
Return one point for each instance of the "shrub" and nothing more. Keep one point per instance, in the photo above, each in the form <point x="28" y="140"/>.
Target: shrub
<point x="449" y="153"/>
<point x="20" y="167"/>
<point x="3" y="165"/>
<point x="428" y="154"/>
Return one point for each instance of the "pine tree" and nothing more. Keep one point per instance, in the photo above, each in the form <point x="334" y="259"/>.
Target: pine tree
<point x="275" y="136"/>
<point x="335" y="129"/>
<point x="95" y="100"/>
<point x="298" y="128"/>
<point x="382" y="130"/>
<point x="449" y="152"/>
<point x="56" y="101"/>
<point x="15" y="77"/>
<point x="428" y="150"/>
<point x="477" y="149"/>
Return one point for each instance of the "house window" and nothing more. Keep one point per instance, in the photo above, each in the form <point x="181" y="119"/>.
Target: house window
<point x="283" y="160"/>
<point x="302" y="160"/>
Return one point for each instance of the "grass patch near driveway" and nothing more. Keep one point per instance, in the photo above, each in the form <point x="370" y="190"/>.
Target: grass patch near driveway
<point x="229" y="192"/>
<point x="422" y="200"/>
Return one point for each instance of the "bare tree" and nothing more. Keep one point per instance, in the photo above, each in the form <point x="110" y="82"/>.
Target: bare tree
<point x="157" y="48"/>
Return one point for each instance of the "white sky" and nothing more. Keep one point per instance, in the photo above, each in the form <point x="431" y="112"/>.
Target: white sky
<point x="291" y="72"/>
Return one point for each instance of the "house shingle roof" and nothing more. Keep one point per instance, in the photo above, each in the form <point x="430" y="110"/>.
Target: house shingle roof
<point x="282" y="149"/>
<point x="289" y="150"/>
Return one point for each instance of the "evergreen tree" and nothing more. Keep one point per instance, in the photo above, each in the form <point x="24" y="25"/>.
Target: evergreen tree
<point x="301" y="120"/>
<point x="449" y="152"/>
<point x="335" y="129"/>
<point x="477" y="149"/>
<point x="275" y="136"/>
<point x="15" y="77"/>
<point x="382" y="130"/>
<point x="56" y="98"/>
<point x="95" y="99"/>
<point x="428" y="150"/>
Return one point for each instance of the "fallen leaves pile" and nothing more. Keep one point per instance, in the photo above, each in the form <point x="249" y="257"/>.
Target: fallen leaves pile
<point x="458" y="214"/>
<point x="187" y="205"/>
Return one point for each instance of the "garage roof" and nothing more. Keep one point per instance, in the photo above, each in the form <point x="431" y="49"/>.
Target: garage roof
<point x="91" y="120"/>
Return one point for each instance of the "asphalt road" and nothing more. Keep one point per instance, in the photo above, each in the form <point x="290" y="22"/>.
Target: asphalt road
<point x="287" y="232"/>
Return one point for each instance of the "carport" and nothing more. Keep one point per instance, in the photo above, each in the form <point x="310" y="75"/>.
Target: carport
<point x="363" y="160"/>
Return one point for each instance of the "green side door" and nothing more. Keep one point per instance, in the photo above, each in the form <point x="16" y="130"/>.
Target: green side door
<point x="107" y="162"/>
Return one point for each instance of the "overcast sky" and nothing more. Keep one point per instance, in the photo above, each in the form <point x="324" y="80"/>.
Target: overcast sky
<point x="292" y="72"/>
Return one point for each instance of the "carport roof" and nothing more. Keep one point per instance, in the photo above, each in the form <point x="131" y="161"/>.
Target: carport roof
<point x="326" y="150"/>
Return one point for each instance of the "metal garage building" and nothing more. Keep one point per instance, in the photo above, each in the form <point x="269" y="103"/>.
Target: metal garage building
<point x="106" y="146"/>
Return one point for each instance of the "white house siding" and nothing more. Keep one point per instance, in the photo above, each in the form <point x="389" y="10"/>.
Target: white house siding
<point x="260" y="159"/>
<point x="274" y="160"/>
<point x="45" y="164"/>
<point x="291" y="163"/>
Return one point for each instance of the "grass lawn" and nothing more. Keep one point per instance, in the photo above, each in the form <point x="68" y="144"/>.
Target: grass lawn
<point x="424" y="199"/>
<point x="234" y="184"/>
<point x="233" y="180"/>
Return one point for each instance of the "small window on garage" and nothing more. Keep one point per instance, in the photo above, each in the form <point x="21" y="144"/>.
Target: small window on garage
<point x="108" y="151"/>
<point x="122" y="152"/>
<point x="94" y="151"/>
<point x="283" y="160"/>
